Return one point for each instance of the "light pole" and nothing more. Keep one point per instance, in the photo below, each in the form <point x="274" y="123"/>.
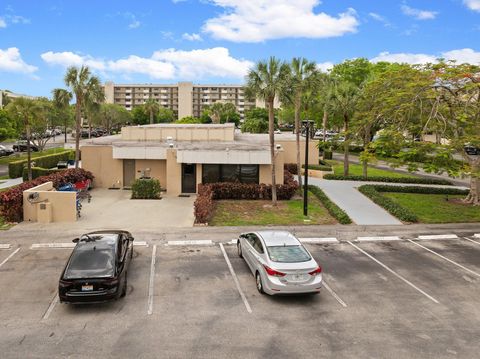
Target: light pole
<point x="306" y="125"/>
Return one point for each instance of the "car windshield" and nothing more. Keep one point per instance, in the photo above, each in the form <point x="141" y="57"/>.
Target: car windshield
<point x="94" y="259"/>
<point x="288" y="254"/>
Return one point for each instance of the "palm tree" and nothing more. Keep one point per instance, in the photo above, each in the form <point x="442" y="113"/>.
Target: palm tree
<point x="93" y="100"/>
<point x="152" y="107"/>
<point x="81" y="82"/>
<point x="302" y="77"/>
<point x="25" y="110"/>
<point x="61" y="100"/>
<point x="267" y="81"/>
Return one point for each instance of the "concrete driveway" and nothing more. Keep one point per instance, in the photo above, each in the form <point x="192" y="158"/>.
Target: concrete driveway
<point x="110" y="209"/>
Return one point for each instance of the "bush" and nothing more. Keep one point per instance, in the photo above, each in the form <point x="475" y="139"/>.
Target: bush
<point x="38" y="172"/>
<point x="325" y="168"/>
<point x="15" y="169"/>
<point x="291" y="167"/>
<point x="11" y="200"/>
<point x="335" y="211"/>
<point x="328" y="155"/>
<point x="418" y="180"/>
<point x="418" y="189"/>
<point x="146" y="189"/>
<point x="207" y="193"/>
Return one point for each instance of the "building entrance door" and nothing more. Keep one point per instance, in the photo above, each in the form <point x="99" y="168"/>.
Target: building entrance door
<point x="189" y="178"/>
<point x="128" y="173"/>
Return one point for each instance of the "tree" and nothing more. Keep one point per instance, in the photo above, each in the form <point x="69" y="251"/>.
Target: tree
<point x="81" y="82"/>
<point x="139" y="115"/>
<point x="112" y="116"/>
<point x="24" y="110"/>
<point x="61" y="101"/>
<point x="256" y="120"/>
<point x="152" y="107"/>
<point x="92" y="106"/>
<point x="267" y="81"/>
<point x="189" y="120"/>
<point x="165" y="115"/>
<point x="7" y="126"/>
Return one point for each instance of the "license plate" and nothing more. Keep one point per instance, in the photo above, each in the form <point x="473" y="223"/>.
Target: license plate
<point x="297" y="277"/>
<point x="87" y="288"/>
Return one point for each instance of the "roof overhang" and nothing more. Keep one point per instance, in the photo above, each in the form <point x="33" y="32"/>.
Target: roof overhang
<point x="255" y="157"/>
<point x="140" y="152"/>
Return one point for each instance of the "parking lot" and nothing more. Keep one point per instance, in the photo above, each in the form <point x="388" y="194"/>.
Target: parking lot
<point x="383" y="299"/>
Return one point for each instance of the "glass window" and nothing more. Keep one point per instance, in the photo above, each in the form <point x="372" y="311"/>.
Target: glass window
<point x="288" y="254"/>
<point x="230" y="173"/>
<point x="258" y="245"/>
<point x="249" y="173"/>
<point x="211" y="173"/>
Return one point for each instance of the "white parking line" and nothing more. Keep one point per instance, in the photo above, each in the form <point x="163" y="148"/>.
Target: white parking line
<point x="377" y="239"/>
<point x="476" y="235"/>
<point x="471" y="240"/>
<point x="152" y="277"/>
<point x="5" y="246"/>
<point x="140" y="244"/>
<point x="235" y="279"/>
<point x="318" y="240"/>
<point x="395" y="273"/>
<point x="445" y="258"/>
<point x="52" y="245"/>
<point x="10" y="256"/>
<point x="327" y="287"/>
<point x="191" y="243"/>
<point x="439" y="236"/>
<point x="52" y="305"/>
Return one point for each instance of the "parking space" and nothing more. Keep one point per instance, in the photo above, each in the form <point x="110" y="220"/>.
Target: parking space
<point x="198" y="299"/>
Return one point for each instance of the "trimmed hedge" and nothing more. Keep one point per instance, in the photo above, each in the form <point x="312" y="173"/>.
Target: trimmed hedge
<point x="38" y="172"/>
<point x="339" y="214"/>
<point x="11" y="200"/>
<point x="207" y="193"/>
<point x="417" y="180"/>
<point x="15" y="169"/>
<point x="374" y="192"/>
<point x="325" y="168"/>
<point x="146" y="189"/>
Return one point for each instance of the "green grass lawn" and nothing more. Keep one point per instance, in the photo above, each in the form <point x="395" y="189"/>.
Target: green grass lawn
<point x="357" y="170"/>
<point x="3" y="224"/>
<point x="250" y="212"/>
<point x="23" y="155"/>
<point x="433" y="208"/>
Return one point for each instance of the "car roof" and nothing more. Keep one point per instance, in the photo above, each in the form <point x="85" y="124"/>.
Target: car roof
<point x="278" y="238"/>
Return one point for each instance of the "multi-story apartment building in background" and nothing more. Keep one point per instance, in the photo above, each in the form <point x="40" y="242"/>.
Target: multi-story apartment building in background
<point x="184" y="99"/>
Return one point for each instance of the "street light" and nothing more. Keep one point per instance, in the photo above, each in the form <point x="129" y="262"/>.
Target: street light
<point x="306" y="125"/>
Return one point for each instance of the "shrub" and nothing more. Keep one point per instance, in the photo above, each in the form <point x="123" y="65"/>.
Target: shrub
<point x="335" y="211"/>
<point x="419" y="180"/>
<point x="146" y="189"/>
<point x="419" y="189"/>
<point x="15" y="169"/>
<point x="291" y="167"/>
<point x="11" y="200"/>
<point x="204" y="205"/>
<point x="325" y="168"/>
<point x="38" y="172"/>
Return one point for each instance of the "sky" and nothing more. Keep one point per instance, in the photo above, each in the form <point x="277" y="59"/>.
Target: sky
<point x="217" y="41"/>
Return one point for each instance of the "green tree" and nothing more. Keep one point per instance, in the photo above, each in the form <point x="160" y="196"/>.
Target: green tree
<point x="140" y="115"/>
<point x="113" y="116"/>
<point x="189" y="120"/>
<point x="152" y="107"/>
<point x="81" y="82"/>
<point x="92" y="107"/>
<point x="7" y="126"/>
<point x="61" y="102"/>
<point x="165" y="115"/>
<point x="267" y="81"/>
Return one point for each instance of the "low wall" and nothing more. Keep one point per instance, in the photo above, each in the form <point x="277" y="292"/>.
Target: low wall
<point x="49" y="205"/>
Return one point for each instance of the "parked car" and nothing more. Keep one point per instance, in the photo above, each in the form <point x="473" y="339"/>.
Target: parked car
<point x="280" y="263"/>
<point x="472" y="150"/>
<point x="5" y="151"/>
<point x="21" y="146"/>
<point x="97" y="269"/>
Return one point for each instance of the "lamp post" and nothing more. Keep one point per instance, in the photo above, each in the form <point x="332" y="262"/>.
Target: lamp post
<point x="306" y="125"/>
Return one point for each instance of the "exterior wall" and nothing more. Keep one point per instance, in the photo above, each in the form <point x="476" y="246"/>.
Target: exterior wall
<point x="224" y="132"/>
<point x="59" y="206"/>
<point x="174" y="174"/>
<point x="158" y="170"/>
<point x="99" y="160"/>
<point x="290" y="151"/>
<point x="199" y="174"/>
<point x="265" y="171"/>
<point x="109" y="92"/>
<point x="185" y="99"/>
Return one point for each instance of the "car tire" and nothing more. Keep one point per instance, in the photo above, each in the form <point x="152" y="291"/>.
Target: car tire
<point x="239" y="249"/>
<point x="124" y="290"/>
<point x="258" y="283"/>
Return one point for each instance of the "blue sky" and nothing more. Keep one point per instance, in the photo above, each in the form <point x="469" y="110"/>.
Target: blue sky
<point x="216" y="41"/>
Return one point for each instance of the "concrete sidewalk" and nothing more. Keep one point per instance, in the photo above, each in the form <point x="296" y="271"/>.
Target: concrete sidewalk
<point x="10" y="182"/>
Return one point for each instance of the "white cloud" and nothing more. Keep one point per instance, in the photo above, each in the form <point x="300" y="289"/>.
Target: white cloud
<point x="379" y="18"/>
<point x="325" y="66"/>
<point x="419" y="14"/>
<point x="134" y="24"/>
<point x="460" y="56"/>
<point x="192" y="37"/>
<point x="260" y="20"/>
<point x="163" y="64"/>
<point x="17" y="19"/>
<point x="3" y="24"/>
<point x="11" y="61"/>
<point x="472" y="4"/>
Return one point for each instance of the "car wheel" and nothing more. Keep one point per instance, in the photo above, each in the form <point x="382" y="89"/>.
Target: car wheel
<point x="239" y="250"/>
<point x="258" y="281"/>
<point x="124" y="290"/>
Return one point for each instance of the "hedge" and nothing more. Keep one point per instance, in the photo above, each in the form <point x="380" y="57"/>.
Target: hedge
<point x="11" y="200"/>
<point x="207" y="193"/>
<point x="146" y="189"/>
<point x="292" y="167"/>
<point x="332" y="208"/>
<point x="325" y="168"/>
<point x="418" y="180"/>
<point x="15" y="169"/>
<point x="374" y="193"/>
<point x="38" y="172"/>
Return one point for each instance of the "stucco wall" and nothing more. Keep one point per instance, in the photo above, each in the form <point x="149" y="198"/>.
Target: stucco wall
<point x="158" y="169"/>
<point x="174" y="174"/>
<point x="184" y="132"/>
<point x="265" y="171"/>
<point x="290" y="151"/>
<point x="107" y="171"/>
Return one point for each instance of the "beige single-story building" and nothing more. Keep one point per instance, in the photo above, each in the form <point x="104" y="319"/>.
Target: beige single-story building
<point x="183" y="156"/>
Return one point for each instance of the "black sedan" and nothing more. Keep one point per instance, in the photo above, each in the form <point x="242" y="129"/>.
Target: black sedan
<point x="21" y="146"/>
<point x="97" y="268"/>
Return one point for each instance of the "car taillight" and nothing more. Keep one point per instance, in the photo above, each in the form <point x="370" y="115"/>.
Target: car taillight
<point x="111" y="281"/>
<point x="316" y="271"/>
<point x="273" y="272"/>
<point x="64" y="283"/>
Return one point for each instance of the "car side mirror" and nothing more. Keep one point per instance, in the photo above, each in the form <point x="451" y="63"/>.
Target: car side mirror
<point x="76" y="240"/>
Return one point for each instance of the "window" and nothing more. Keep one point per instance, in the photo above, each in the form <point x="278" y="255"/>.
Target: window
<point x="230" y="173"/>
<point x="257" y="245"/>
<point x="288" y="254"/>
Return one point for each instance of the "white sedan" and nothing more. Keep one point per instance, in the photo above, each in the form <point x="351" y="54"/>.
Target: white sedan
<point x="280" y="263"/>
